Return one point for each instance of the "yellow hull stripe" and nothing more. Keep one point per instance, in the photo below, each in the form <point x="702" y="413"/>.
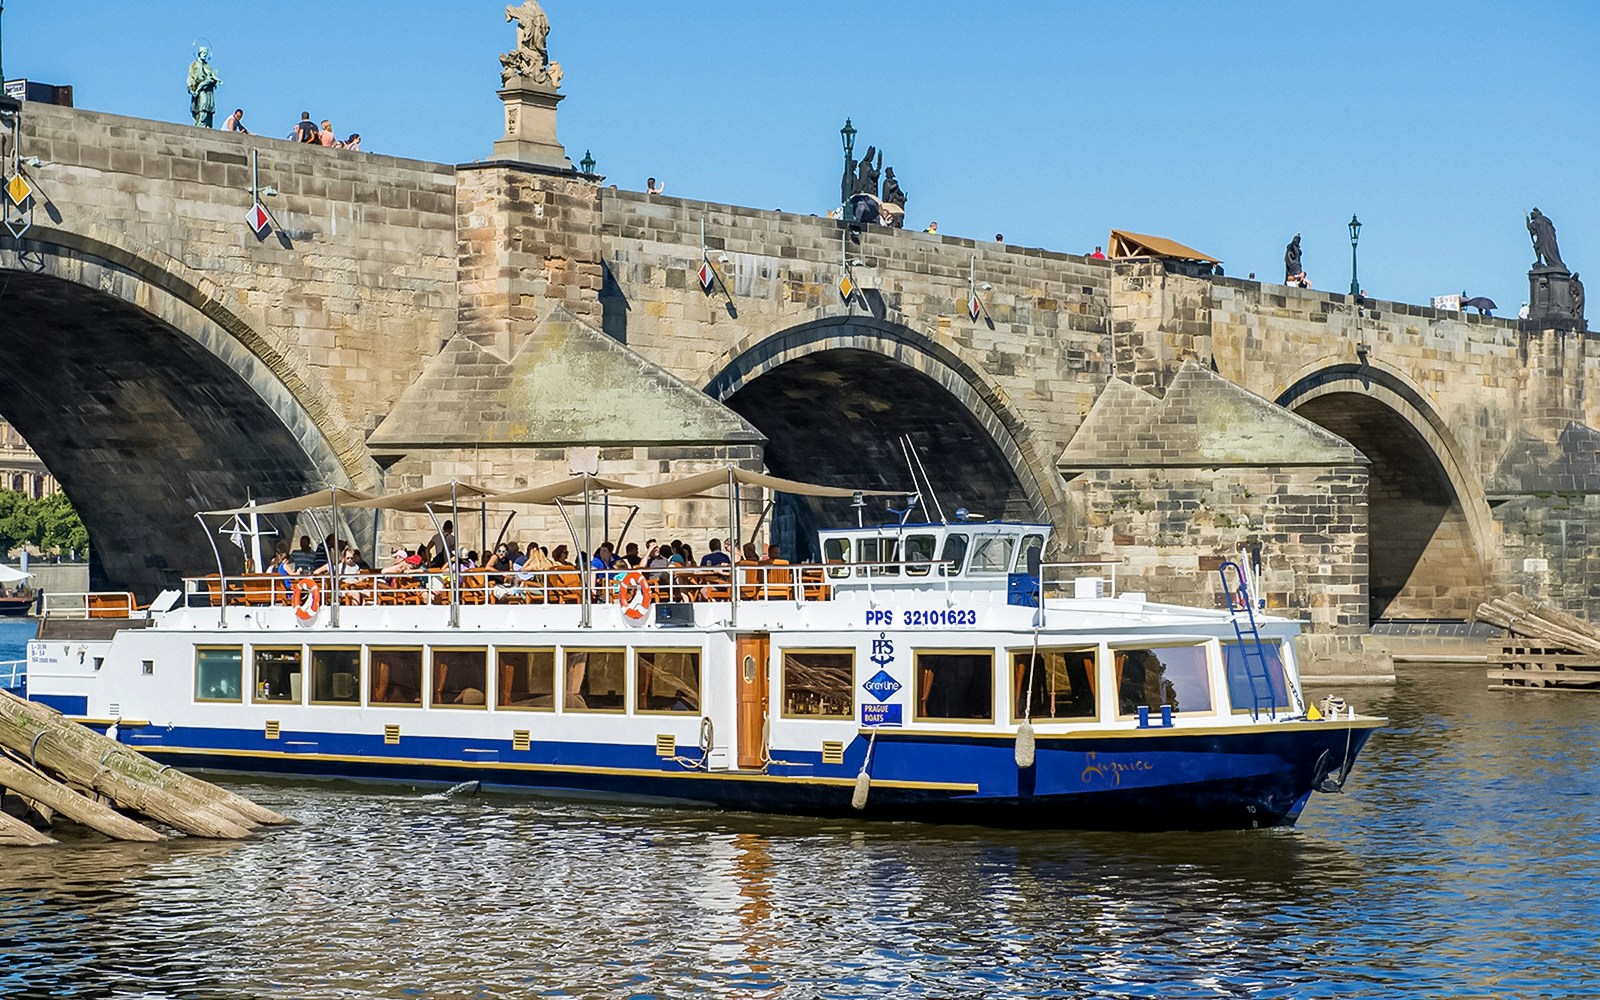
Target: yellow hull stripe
<point x="1154" y="732"/>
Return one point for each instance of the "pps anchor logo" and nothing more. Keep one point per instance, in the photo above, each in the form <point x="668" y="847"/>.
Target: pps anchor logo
<point x="881" y="686"/>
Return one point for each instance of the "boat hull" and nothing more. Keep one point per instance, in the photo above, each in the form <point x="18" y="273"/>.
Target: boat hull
<point x="1130" y="780"/>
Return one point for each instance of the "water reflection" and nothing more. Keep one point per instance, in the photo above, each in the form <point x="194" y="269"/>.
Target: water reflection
<point x="1460" y="862"/>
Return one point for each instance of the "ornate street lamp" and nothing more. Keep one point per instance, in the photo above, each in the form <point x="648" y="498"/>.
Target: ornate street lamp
<point x="848" y="135"/>
<point x="587" y="163"/>
<point x="1355" y="234"/>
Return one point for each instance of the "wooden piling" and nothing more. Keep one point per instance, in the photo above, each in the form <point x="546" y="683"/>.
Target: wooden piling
<point x="15" y="833"/>
<point x="32" y="784"/>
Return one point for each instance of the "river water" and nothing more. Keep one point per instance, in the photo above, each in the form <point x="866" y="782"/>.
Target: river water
<point x="1461" y="861"/>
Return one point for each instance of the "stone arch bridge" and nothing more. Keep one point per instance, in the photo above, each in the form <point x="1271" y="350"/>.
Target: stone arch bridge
<point x="405" y="322"/>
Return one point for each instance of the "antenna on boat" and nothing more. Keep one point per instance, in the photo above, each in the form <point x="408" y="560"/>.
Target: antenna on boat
<point x="911" y="455"/>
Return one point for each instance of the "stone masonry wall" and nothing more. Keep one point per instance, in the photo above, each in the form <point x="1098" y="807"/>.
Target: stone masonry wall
<point x="1171" y="528"/>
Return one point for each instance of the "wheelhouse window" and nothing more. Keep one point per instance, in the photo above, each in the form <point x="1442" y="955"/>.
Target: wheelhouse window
<point x="336" y="676"/>
<point x="219" y="673"/>
<point x="1061" y="684"/>
<point x="1169" y="675"/>
<point x="955" y="686"/>
<point x="527" y="679"/>
<point x="920" y="549"/>
<point x="278" y="673"/>
<point x="1030" y="555"/>
<point x="1255" y="682"/>
<point x="991" y="555"/>
<point x="955" y="552"/>
<point x="837" y="550"/>
<point x="596" y="680"/>
<point x="396" y="675"/>
<point x="879" y="550"/>
<point x="669" y="680"/>
<point x="819" y="683"/>
<point x="459" y="677"/>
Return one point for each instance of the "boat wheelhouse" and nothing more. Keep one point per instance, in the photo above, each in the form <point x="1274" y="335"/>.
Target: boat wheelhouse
<point x="925" y="671"/>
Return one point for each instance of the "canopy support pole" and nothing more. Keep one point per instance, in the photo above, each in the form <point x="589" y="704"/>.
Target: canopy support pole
<point x="335" y="562"/>
<point x="455" y="563"/>
<point x="733" y="543"/>
<point x="587" y="555"/>
<point x="222" y="575"/>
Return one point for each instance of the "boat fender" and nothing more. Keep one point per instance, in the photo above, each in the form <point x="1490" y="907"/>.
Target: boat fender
<point x="307" y="598"/>
<point x="858" y="799"/>
<point x="1025" y="747"/>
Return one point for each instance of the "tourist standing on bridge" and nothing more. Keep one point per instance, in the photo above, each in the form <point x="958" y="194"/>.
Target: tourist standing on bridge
<point x="305" y="130"/>
<point x="235" y="122"/>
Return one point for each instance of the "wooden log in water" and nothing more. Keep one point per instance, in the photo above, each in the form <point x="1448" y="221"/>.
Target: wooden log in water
<point x="31" y="784"/>
<point x="1522" y="616"/>
<point x="15" y="833"/>
<point x="142" y="769"/>
<point x="58" y="746"/>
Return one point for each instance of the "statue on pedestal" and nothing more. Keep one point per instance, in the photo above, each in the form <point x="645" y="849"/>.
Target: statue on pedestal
<point x="1543" y="231"/>
<point x="203" y="84"/>
<point x="531" y="57"/>
<point x="1292" y="266"/>
<point x="867" y="174"/>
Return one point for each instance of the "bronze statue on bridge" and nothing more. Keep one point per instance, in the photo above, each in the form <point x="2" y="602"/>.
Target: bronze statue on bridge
<point x="203" y="84"/>
<point x="1543" y="231"/>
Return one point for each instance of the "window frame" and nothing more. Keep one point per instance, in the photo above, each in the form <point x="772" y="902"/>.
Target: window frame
<point x="783" y="682"/>
<point x="955" y="567"/>
<point x="421" y="650"/>
<point x="926" y="563"/>
<point x="1094" y="681"/>
<point x="637" y="676"/>
<point x="990" y="538"/>
<point x="1282" y="677"/>
<point x="1202" y="644"/>
<point x="555" y="678"/>
<point x="916" y="685"/>
<point x="433" y="652"/>
<point x="255" y="674"/>
<point x="627" y="687"/>
<point x="238" y="679"/>
<point x="311" y="671"/>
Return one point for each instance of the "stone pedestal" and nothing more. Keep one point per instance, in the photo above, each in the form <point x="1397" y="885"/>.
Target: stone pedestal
<point x="531" y="125"/>
<point x="1555" y="298"/>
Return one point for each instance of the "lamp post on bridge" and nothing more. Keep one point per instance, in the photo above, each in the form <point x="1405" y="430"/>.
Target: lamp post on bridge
<point x="848" y="136"/>
<point x="587" y="163"/>
<point x="1355" y="235"/>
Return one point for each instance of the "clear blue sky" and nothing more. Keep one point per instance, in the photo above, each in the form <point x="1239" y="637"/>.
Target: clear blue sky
<point x="1228" y="126"/>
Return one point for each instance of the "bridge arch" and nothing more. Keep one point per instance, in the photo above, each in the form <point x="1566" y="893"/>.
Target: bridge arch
<point x="1429" y="525"/>
<point x="149" y="398"/>
<point x="866" y="381"/>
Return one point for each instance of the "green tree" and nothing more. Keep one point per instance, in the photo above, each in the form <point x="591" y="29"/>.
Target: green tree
<point x="13" y="520"/>
<point x="49" y="523"/>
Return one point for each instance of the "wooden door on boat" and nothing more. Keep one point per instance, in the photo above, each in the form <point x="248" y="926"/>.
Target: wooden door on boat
<point x="753" y="652"/>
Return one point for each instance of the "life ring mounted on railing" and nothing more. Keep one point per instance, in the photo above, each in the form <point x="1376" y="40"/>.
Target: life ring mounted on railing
<point x="632" y="592"/>
<point x="307" y="598"/>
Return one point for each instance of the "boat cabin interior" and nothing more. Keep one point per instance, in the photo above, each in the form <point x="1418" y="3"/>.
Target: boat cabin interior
<point x="988" y="552"/>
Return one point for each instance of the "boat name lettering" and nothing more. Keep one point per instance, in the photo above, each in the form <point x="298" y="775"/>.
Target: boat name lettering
<point x="939" y="616"/>
<point x="1111" y="771"/>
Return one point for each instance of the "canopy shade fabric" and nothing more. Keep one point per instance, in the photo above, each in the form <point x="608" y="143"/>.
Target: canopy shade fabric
<point x="1126" y="244"/>
<point x="418" y="501"/>
<point x="311" y="501"/>
<point x="701" y="483"/>
<point x="551" y="492"/>
<point x="9" y="575"/>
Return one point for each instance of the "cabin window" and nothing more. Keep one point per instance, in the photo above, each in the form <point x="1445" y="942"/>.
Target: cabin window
<point x="219" y="674"/>
<point x="335" y="676"/>
<point x="1172" y="675"/>
<point x="278" y="675"/>
<point x="955" y="552"/>
<point x="460" y="678"/>
<point x="954" y="686"/>
<point x="527" y="679"/>
<point x="596" y="680"/>
<point x="819" y="683"/>
<point x="669" y="680"/>
<point x="396" y="675"/>
<point x="1247" y="687"/>
<point x="1061" y="687"/>
<point x="837" y="550"/>
<point x="991" y="555"/>
<point x="1030" y="555"/>
<point x="920" y="549"/>
<point x="879" y="550"/>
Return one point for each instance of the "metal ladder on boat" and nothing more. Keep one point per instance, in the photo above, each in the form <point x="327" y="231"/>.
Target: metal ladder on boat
<point x="1256" y="670"/>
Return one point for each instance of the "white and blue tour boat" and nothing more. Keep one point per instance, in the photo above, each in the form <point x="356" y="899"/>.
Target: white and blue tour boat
<point x="920" y="671"/>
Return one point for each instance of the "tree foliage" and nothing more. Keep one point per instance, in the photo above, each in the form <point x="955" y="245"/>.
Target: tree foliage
<point x="48" y="523"/>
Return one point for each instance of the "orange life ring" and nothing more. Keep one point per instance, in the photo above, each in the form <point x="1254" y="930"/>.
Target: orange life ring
<point x="307" y="598"/>
<point x="633" y="597"/>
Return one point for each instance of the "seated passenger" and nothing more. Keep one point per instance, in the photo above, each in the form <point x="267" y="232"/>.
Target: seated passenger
<point x="400" y="564"/>
<point x="716" y="557"/>
<point x="562" y="558"/>
<point x="500" y="560"/>
<point x="748" y="555"/>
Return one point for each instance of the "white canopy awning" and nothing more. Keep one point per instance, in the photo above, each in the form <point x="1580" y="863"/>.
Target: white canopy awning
<point x="551" y="492"/>
<point x="9" y="575"/>
<point x="311" y="501"/>
<point x="418" y="501"/>
<point x="702" y="483"/>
